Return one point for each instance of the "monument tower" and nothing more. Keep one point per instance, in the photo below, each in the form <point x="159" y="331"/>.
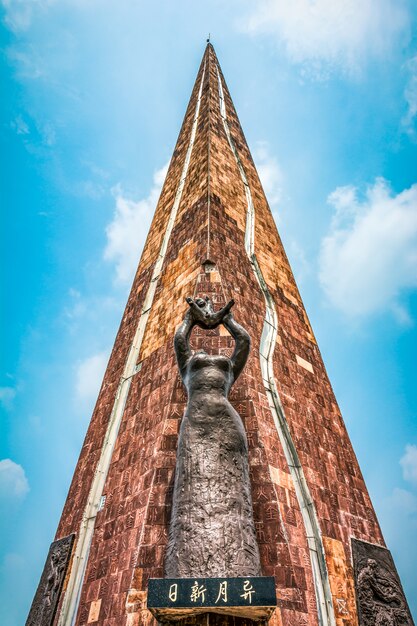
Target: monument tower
<point x="296" y="509"/>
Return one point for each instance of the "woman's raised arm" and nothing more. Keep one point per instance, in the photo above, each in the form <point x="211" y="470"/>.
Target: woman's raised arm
<point x="242" y="344"/>
<point x="182" y="342"/>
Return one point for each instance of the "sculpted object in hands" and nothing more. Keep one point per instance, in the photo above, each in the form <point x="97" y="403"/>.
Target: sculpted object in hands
<point x="202" y="313"/>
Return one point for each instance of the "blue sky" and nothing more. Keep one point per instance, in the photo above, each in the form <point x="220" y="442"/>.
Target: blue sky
<point x="93" y="97"/>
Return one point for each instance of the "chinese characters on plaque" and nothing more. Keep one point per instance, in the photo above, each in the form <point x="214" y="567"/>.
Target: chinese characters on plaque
<point x="193" y="595"/>
<point x="198" y="592"/>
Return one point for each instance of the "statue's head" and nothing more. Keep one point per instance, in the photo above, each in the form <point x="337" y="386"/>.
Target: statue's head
<point x="205" y="304"/>
<point x="372" y="563"/>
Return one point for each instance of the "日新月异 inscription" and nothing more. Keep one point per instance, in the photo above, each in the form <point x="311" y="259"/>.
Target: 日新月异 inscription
<point x="177" y="597"/>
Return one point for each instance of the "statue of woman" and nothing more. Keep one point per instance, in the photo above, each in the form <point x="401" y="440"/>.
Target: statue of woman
<point x="212" y="532"/>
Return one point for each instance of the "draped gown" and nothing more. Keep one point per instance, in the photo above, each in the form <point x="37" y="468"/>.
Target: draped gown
<point x="212" y="531"/>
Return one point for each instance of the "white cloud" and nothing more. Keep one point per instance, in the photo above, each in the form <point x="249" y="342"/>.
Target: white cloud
<point x="7" y="395"/>
<point x="13" y="481"/>
<point x="18" y="14"/>
<point x="409" y="464"/>
<point x="410" y="95"/>
<point x="89" y="375"/>
<point x="328" y="34"/>
<point x="126" y="233"/>
<point x="404" y="500"/>
<point x="269" y="172"/>
<point x="20" y="126"/>
<point x="369" y="256"/>
<point x="28" y="64"/>
<point x="92" y="315"/>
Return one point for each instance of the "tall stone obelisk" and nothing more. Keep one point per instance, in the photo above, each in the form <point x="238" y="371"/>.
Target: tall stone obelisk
<point x="213" y="234"/>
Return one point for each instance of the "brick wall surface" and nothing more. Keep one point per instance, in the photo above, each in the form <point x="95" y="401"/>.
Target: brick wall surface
<point x="130" y="534"/>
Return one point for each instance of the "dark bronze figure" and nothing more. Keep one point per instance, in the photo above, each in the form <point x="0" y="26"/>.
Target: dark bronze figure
<point x="46" y="599"/>
<point x="380" y="598"/>
<point x="212" y="531"/>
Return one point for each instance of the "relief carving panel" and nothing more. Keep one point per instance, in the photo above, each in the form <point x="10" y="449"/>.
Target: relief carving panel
<point x="379" y="594"/>
<point x="47" y="595"/>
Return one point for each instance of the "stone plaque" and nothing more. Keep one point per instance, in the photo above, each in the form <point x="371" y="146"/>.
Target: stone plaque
<point x="379" y="595"/>
<point x="45" y="602"/>
<point x="172" y="599"/>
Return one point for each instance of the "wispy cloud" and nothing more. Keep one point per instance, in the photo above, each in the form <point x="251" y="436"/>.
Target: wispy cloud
<point x="18" y="14"/>
<point x="129" y="227"/>
<point x="13" y="481"/>
<point x="269" y="172"/>
<point x="326" y="35"/>
<point x="28" y="63"/>
<point x="89" y="374"/>
<point x="369" y="256"/>
<point x="91" y="315"/>
<point x="410" y="95"/>
<point x="404" y="500"/>
<point x="409" y="464"/>
<point x="20" y="126"/>
<point x="7" y="395"/>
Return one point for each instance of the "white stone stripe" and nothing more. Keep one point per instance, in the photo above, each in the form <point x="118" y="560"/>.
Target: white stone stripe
<point x="266" y="351"/>
<point x="306" y="364"/>
<point x="72" y="595"/>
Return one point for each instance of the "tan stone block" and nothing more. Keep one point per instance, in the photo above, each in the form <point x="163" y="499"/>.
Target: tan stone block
<point x="133" y="619"/>
<point x="291" y="298"/>
<point x="281" y="478"/>
<point x="94" y="611"/>
<point x="341" y="582"/>
<point x="215" y="277"/>
<point x="171" y="427"/>
<point x="136" y="599"/>
<point x="306" y="364"/>
<point x="275" y="619"/>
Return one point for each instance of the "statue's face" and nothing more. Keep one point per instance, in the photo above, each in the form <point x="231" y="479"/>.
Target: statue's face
<point x="205" y="304"/>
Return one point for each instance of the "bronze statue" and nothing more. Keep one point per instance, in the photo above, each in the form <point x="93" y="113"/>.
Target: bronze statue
<point x="212" y="530"/>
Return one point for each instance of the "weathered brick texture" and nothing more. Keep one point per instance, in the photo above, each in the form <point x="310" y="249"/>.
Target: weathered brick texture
<point x="131" y="530"/>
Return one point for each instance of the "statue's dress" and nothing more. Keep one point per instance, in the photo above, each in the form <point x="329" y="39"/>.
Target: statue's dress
<point x="212" y="531"/>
